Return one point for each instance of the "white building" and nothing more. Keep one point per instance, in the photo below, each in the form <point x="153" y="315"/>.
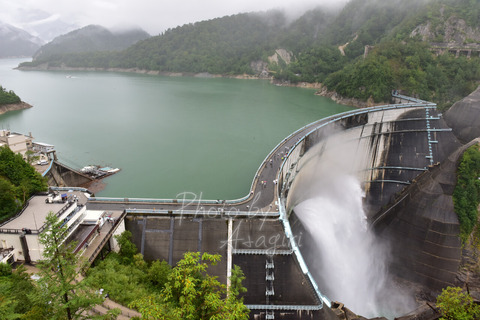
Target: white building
<point x="17" y="142"/>
<point x="43" y="147"/>
<point x="19" y="237"/>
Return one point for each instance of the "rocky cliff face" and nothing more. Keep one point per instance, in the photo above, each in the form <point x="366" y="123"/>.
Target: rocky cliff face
<point x="464" y="117"/>
<point x="450" y="30"/>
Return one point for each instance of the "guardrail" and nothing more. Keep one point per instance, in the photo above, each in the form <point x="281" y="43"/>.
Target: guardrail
<point x="283" y="307"/>
<point x="70" y="189"/>
<point x="208" y="213"/>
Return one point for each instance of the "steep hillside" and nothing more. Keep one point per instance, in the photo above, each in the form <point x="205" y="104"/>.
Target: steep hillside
<point x="91" y="38"/>
<point x="414" y="57"/>
<point x="15" y="42"/>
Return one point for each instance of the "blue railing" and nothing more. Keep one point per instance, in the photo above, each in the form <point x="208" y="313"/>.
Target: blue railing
<point x="48" y="169"/>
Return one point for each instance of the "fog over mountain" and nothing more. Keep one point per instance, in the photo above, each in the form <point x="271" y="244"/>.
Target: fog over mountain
<point x="38" y="23"/>
<point x="15" y="42"/>
<point x="50" y="18"/>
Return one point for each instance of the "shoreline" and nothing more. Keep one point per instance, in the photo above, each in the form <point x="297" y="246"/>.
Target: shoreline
<point x="14" y="106"/>
<point x="321" y="89"/>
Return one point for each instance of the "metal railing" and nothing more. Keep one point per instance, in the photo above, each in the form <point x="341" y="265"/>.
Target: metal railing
<point x="107" y="237"/>
<point x="70" y="189"/>
<point x="283" y="307"/>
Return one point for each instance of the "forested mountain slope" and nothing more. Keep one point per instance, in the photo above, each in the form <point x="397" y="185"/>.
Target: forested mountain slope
<point x="321" y="46"/>
<point x="91" y="38"/>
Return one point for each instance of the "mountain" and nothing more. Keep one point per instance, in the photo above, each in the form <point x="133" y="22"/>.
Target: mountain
<point x="363" y="51"/>
<point x="41" y="24"/>
<point x="15" y="42"/>
<point x="91" y="38"/>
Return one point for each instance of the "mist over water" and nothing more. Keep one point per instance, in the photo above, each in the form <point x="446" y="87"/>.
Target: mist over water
<point x="348" y="262"/>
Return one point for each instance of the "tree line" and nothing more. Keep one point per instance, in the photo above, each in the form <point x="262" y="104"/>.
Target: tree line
<point x="18" y="182"/>
<point x="466" y="195"/>
<point x="8" y="97"/>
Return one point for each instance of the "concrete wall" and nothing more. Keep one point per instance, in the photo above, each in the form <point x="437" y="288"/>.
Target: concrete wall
<point x="61" y="175"/>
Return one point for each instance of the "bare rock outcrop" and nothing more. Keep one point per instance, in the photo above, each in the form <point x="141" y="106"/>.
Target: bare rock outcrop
<point x="464" y="117"/>
<point x="14" y="106"/>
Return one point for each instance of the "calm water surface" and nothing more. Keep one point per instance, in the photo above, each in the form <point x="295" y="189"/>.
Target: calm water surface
<point x="167" y="134"/>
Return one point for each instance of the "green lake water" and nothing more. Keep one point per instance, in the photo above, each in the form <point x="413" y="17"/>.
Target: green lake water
<point x="167" y="134"/>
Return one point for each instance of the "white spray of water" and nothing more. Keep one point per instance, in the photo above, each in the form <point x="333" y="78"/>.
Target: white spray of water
<point x="349" y="263"/>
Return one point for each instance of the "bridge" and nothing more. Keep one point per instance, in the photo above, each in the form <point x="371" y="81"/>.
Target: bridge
<point x="456" y="49"/>
<point x="260" y="233"/>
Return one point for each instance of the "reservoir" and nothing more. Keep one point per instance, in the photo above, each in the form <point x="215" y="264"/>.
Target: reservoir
<point x="168" y="135"/>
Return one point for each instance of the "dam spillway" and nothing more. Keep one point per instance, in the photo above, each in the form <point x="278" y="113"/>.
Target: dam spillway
<point x="385" y="149"/>
<point x="388" y="148"/>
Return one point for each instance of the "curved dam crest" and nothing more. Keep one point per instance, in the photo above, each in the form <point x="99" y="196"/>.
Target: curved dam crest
<point x="388" y="148"/>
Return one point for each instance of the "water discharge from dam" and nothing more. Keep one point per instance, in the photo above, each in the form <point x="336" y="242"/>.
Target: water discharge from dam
<point x="348" y="262"/>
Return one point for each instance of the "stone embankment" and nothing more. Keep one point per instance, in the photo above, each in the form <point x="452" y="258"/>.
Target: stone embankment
<point x="324" y="92"/>
<point x="14" y="106"/>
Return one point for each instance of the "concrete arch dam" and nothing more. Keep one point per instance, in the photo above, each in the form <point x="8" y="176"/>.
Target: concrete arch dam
<point x="404" y="158"/>
<point x="388" y="147"/>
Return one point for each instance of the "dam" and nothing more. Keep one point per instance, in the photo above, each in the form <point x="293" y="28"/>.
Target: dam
<point x="402" y="154"/>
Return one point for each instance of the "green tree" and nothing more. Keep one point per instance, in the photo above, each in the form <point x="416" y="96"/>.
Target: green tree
<point x="8" y="97"/>
<point x="61" y="293"/>
<point x="16" y="292"/>
<point x="18" y="182"/>
<point x="457" y="305"/>
<point x="127" y="248"/>
<point x="191" y="293"/>
<point x="123" y="283"/>
<point x="158" y="273"/>
<point x="466" y="195"/>
<point x="9" y="204"/>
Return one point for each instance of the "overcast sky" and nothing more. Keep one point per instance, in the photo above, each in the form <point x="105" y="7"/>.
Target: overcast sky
<point x="154" y="16"/>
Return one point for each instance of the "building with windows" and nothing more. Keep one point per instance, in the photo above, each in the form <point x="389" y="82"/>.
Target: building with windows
<point x="17" y="142"/>
<point x="19" y="236"/>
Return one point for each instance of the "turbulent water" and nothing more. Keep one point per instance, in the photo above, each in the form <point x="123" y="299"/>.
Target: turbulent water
<point x="349" y="263"/>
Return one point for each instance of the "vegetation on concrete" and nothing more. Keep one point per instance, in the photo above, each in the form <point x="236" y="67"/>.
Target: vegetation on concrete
<point x="466" y="196"/>
<point x="18" y="182"/>
<point x="159" y="291"/>
<point x="8" y="97"/>
<point x="455" y="304"/>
